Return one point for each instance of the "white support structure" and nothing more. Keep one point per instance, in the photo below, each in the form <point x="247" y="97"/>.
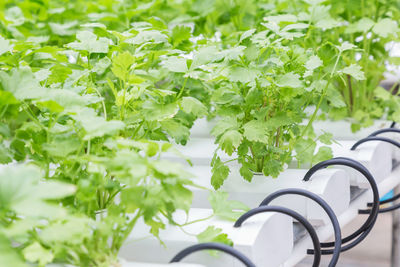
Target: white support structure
<point x="266" y="239"/>
<point x="146" y="264"/>
<point x="326" y="232"/>
<point x="330" y="184"/>
<point x="375" y="156"/>
<point x="341" y="130"/>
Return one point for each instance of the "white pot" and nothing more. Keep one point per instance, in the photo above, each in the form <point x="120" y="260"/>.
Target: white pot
<point x="202" y="128"/>
<point x="341" y="131"/>
<point x="330" y="184"/>
<point x="266" y="239"/>
<point x="376" y="156"/>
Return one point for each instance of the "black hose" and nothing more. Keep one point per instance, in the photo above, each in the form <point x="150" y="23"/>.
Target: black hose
<point x="370" y="138"/>
<point x="324" y="205"/>
<point x="358" y="235"/>
<point x="375" y="138"/>
<point x="214" y="246"/>
<point x="293" y="214"/>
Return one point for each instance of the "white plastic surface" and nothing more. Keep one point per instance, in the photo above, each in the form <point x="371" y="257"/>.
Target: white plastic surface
<point x="330" y="184"/>
<point x="267" y="239"/>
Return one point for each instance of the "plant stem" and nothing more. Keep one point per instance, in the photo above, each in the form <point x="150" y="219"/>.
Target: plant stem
<point x="182" y="88"/>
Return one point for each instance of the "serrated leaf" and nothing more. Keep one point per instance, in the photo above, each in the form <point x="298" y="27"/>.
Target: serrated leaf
<point x="256" y="131"/>
<point x="224" y="208"/>
<point x="230" y="140"/>
<point x="326" y="138"/>
<point x="354" y="71"/>
<point x="363" y="25"/>
<point x="175" y="64"/>
<point x="176" y="130"/>
<point x="5" y="45"/>
<point x="313" y="62"/>
<point x="193" y="106"/>
<point x="157" y="112"/>
<point x="180" y="34"/>
<point x="214" y="234"/>
<point x="121" y="64"/>
<point x="385" y="27"/>
<point x="345" y="46"/>
<point x="36" y="253"/>
<point x="324" y="153"/>
<point x="89" y="42"/>
<point x="21" y="192"/>
<point x="96" y="126"/>
<point x="224" y="125"/>
<point x="291" y="80"/>
<point x="246" y="173"/>
<point x="219" y="173"/>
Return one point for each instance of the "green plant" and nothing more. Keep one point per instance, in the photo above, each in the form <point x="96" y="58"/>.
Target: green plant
<point x="262" y="92"/>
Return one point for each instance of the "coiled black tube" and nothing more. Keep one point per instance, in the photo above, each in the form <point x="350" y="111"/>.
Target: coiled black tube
<point x="363" y="231"/>
<point x="324" y="205"/>
<point x="214" y="246"/>
<point x="293" y="214"/>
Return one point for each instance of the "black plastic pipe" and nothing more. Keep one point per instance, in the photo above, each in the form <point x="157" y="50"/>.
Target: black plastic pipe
<point x="386" y="130"/>
<point x="373" y="137"/>
<point x="293" y="214"/>
<point x="327" y="209"/>
<point x="213" y="246"/>
<point x="359" y="234"/>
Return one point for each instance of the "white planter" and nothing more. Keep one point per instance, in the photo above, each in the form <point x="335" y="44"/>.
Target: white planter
<point x="202" y="128"/>
<point x="330" y="184"/>
<point x="124" y="263"/>
<point x="341" y="131"/>
<point x="146" y="264"/>
<point x="376" y="156"/>
<point x="199" y="150"/>
<point x="267" y="239"/>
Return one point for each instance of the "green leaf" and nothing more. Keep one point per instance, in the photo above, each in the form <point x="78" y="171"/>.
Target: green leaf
<point x="193" y="106"/>
<point x="313" y="62"/>
<point x="175" y="64"/>
<point x="219" y="173"/>
<point x="363" y="25"/>
<point x="324" y="153"/>
<point x="96" y="126"/>
<point x="345" y="46"/>
<point x="73" y="231"/>
<point x="158" y="112"/>
<point x="223" y="125"/>
<point x="22" y="84"/>
<point x="230" y="140"/>
<point x="354" y="71"/>
<point x="385" y="27"/>
<point x="272" y="167"/>
<point x="289" y="80"/>
<point x="326" y="138"/>
<point x="180" y="34"/>
<point x="36" y="253"/>
<point x="5" y="45"/>
<point x="9" y="255"/>
<point x="121" y="65"/>
<point x="176" y="130"/>
<point x="62" y="147"/>
<point x="214" y="234"/>
<point x="22" y="192"/>
<point x="224" y="208"/>
<point x="246" y="172"/>
<point x="243" y="75"/>
<point x="89" y="42"/>
<point x="256" y="131"/>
